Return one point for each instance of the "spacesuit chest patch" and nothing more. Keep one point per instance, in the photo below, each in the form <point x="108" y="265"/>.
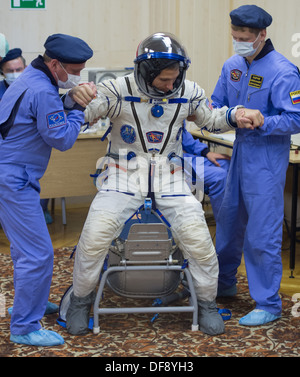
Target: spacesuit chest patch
<point x="57" y="119"/>
<point x="128" y="134"/>
<point x="155" y="137"/>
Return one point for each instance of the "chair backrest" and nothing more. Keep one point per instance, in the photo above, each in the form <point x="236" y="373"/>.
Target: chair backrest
<point x="146" y="244"/>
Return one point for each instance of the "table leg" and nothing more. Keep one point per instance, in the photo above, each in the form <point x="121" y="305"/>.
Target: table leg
<point x="294" y="219"/>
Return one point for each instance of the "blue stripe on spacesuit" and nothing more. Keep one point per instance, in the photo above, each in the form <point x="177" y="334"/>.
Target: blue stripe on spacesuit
<point x="139" y="100"/>
<point x="228" y="117"/>
<point x="118" y="103"/>
<point x="136" y="118"/>
<point x="106" y="133"/>
<point x="174" y="195"/>
<point x="121" y="192"/>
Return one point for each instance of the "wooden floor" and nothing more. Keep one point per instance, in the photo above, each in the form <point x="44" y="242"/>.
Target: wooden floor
<point x="67" y="235"/>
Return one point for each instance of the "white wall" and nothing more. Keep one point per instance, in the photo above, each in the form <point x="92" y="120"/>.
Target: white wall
<point x="113" y="28"/>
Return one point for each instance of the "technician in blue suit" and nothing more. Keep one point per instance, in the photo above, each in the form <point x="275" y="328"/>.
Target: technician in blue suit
<point x="32" y="122"/>
<point x="213" y="171"/>
<point x="11" y="67"/>
<point x="251" y="214"/>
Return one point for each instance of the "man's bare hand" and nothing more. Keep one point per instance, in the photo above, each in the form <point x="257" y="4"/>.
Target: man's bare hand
<point x="191" y="118"/>
<point x="83" y="94"/>
<point x="214" y="157"/>
<point x="248" y="118"/>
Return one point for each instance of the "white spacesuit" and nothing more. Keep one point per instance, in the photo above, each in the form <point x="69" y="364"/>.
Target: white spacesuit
<point x="146" y="131"/>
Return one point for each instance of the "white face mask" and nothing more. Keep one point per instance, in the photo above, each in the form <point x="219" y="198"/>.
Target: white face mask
<point x="11" y="77"/>
<point x="73" y="80"/>
<point x="245" y="49"/>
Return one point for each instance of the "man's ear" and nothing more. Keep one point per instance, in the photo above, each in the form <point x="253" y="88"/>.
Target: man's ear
<point x="263" y="33"/>
<point x="53" y="63"/>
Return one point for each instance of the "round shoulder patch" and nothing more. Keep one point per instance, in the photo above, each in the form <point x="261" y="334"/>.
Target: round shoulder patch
<point x="128" y="134"/>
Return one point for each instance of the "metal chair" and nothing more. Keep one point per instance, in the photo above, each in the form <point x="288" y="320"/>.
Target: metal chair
<point x="144" y="262"/>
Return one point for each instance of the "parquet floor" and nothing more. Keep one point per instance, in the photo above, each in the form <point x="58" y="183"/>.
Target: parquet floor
<point x="67" y="235"/>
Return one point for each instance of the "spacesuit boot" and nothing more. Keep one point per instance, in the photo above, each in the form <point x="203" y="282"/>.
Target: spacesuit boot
<point x="210" y="321"/>
<point x="78" y="314"/>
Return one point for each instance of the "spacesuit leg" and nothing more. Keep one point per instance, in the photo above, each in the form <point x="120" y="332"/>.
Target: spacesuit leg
<point x="105" y="220"/>
<point x="32" y="255"/>
<point x="190" y="231"/>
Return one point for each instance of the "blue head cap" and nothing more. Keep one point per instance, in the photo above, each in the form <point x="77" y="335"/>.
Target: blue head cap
<point x="11" y="55"/>
<point x="67" y="49"/>
<point x="251" y="16"/>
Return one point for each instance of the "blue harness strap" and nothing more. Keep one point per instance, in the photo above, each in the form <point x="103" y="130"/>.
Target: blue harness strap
<point x="155" y="101"/>
<point x="225" y="314"/>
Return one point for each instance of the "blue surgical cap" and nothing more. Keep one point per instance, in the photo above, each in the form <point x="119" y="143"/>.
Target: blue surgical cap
<point x="251" y="16"/>
<point x="11" y="55"/>
<point x="67" y="49"/>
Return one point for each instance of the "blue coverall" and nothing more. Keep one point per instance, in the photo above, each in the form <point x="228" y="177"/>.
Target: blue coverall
<point x="251" y="215"/>
<point x="3" y="88"/>
<point x="32" y="121"/>
<point x="214" y="176"/>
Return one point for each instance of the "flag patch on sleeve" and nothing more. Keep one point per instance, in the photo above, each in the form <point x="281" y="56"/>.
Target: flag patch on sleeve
<point x="56" y="119"/>
<point x="295" y="96"/>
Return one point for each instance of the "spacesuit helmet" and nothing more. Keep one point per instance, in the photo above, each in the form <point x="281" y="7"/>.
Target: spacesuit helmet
<point x="157" y="52"/>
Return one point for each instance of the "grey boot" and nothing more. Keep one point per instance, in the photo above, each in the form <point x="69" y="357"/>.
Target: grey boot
<point x="78" y="314"/>
<point x="210" y="321"/>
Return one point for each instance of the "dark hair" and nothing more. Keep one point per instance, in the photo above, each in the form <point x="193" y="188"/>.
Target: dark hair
<point x="46" y="58"/>
<point x="2" y="64"/>
<point x="255" y="31"/>
<point x="151" y="68"/>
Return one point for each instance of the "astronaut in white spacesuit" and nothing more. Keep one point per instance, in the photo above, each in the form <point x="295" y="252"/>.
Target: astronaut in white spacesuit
<point x="147" y="109"/>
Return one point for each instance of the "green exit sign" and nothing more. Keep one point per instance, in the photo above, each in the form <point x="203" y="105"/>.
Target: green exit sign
<point x="28" y="4"/>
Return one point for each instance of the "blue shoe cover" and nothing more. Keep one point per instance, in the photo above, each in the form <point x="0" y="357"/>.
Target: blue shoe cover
<point x="40" y="338"/>
<point x="50" y="309"/>
<point x="227" y="292"/>
<point x="258" y="317"/>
